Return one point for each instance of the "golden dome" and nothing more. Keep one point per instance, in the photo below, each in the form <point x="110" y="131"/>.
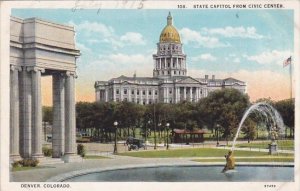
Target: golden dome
<point x="169" y="33"/>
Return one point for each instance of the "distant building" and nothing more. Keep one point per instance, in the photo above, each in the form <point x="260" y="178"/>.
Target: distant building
<point x="170" y="83"/>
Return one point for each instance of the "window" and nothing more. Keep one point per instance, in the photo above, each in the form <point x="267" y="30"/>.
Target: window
<point x="138" y="101"/>
<point x="155" y="92"/>
<point x="168" y="72"/>
<point x="150" y="93"/>
<point x="132" y="91"/>
<point x="125" y="91"/>
<point x="138" y="92"/>
<point x="132" y="100"/>
<point x="144" y="92"/>
<point x="117" y="91"/>
<point x="174" y="72"/>
<point x="170" y="91"/>
<point x="150" y="101"/>
<point x="168" y="64"/>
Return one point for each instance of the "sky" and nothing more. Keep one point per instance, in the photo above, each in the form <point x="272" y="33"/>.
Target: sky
<point x="249" y="45"/>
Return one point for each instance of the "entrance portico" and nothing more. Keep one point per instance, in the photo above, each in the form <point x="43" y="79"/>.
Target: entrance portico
<point x="40" y="48"/>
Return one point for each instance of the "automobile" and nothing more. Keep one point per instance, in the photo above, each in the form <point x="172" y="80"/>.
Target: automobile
<point x="134" y="143"/>
<point x="83" y="138"/>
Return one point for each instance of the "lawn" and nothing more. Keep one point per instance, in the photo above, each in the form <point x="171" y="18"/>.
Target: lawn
<point x="282" y="144"/>
<point x="194" y="152"/>
<point x="22" y="168"/>
<point x="95" y="157"/>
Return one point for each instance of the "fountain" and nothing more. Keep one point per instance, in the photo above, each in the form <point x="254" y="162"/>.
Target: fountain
<point x="271" y="116"/>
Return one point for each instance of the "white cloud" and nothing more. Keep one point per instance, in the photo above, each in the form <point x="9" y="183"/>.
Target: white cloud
<point x="242" y="32"/>
<point x="191" y="36"/>
<point x="133" y="38"/>
<point x="97" y="32"/>
<point x="270" y="57"/>
<point x="236" y="60"/>
<point x="204" y="57"/>
<point x="89" y="28"/>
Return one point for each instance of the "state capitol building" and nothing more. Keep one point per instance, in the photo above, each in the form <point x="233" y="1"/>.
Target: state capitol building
<point x="170" y="82"/>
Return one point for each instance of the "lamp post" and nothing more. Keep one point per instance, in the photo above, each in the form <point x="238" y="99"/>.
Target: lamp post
<point x="218" y="135"/>
<point x="146" y="134"/>
<point x="115" y="147"/>
<point x="168" y="124"/>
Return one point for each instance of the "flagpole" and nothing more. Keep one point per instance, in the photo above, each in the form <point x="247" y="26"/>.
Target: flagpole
<point x="291" y="81"/>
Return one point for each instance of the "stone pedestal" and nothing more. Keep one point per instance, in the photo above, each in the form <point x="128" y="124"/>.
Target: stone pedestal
<point x="72" y="158"/>
<point x="272" y="148"/>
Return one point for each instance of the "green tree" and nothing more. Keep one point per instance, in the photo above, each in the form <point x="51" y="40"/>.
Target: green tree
<point x="286" y="108"/>
<point x="47" y="114"/>
<point x="224" y="108"/>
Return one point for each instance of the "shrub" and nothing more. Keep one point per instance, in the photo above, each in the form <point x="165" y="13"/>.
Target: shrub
<point x="29" y="162"/>
<point x="47" y="152"/>
<point x="16" y="164"/>
<point x="81" y="150"/>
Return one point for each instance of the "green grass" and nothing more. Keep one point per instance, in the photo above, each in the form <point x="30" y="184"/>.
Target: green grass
<point x="282" y="144"/>
<point x="95" y="157"/>
<point x="194" y="152"/>
<point x="271" y="159"/>
<point x="22" y="168"/>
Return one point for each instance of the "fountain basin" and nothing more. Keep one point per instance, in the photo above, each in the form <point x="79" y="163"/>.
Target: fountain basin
<point x="183" y="173"/>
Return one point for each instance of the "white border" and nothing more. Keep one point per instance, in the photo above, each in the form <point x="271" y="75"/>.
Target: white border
<point x="5" y="8"/>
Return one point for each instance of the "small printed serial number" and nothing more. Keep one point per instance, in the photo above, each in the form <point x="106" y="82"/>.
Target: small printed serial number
<point x="270" y="186"/>
<point x="181" y="6"/>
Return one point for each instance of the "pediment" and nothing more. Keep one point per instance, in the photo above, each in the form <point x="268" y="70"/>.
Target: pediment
<point x="188" y="80"/>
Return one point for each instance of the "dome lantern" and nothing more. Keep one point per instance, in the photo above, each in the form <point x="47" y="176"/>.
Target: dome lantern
<point x="169" y="33"/>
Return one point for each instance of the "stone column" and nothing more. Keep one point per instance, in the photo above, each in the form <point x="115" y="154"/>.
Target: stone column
<point x="135" y="95"/>
<point x="70" y="119"/>
<point x="37" y="131"/>
<point x="106" y="94"/>
<point x="14" y="113"/>
<point x="114" y="93"/>
<point x="147" y="95"/>
<point x="159" y="63"/>
<point x="121" y="93"/>
<point x="153" y="95"/>
<point x="184" y="93"/>
<point x="25" y="114"/>
<point x="58" y="127"/>
<point x="191" y="94"/>
<point x="129" y="94"/>
<point x="141" y="96"/>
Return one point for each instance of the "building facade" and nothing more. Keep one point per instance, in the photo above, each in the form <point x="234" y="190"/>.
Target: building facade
<point x="170" y="82"/>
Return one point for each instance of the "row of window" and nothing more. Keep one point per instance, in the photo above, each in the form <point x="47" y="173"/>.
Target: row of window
<point x="138" y="101"/>
<point x="168" y="47"/>
<point x="144" y="92"/>
<point x="168" y="72"/>
<point x="163" y="65"/>
<point x="125" y="91"/>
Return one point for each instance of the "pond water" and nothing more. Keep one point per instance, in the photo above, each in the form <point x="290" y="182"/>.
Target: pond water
<point x="190" y="174"/>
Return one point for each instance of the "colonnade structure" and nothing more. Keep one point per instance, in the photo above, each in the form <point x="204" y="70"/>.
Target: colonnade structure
<point x="170" y="82"/>
<point x="41" y="48"/>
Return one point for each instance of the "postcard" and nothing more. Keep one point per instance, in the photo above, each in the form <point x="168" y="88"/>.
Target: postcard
<point x="149" y="95"/>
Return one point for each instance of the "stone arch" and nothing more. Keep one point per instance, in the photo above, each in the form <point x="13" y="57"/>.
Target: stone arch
<point x="35" y="53"/>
